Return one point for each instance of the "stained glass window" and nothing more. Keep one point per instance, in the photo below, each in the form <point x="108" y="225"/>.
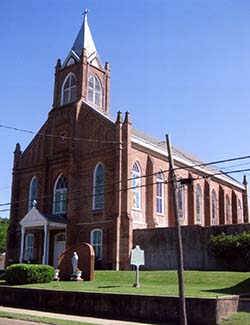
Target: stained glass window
<point x="159" y="193"/>
<point x="136" y="186"/>
<point x="227" y="209"/>
<point x="98" y="197"/>
<point x="214" y="208"/>
<point x="198" y="203"/>
<point x="180" y="201"/>
<point x="69" y="90"/>
<point x="33" y="192"/>
<point x="94" y="91"/>
<point x="60" y="195"/>
<point x="96" y="242"/>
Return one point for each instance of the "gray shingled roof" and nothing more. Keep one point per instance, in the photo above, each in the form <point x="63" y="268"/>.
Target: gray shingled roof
<point x="179" y="153"/>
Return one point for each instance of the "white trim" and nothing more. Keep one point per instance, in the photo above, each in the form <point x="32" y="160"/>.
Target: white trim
<point x="163" y="152"/>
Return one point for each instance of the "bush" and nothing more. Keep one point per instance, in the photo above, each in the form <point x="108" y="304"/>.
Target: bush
<point x="29" y="273"/>
<point x="231" y="246"/>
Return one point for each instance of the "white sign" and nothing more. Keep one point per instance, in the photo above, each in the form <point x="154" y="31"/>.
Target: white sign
<point x="137" y="256"/>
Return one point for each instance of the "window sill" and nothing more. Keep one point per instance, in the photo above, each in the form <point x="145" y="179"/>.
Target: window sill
<point x="97" y="212"/>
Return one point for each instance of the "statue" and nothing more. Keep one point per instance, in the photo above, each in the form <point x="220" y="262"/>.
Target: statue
<point x="75" y="262"/>
<point x="76" y="275"/>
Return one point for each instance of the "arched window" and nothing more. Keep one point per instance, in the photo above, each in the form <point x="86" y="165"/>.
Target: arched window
<point x="94" y="90"/>
<point x="33" y="192"/>
<point x="98" y="190"/>
<point x="29" y="247"/>
<point x="214" y="208"/>
<point x="240" y="212"/>
<point x="96" y="242"/>
<point x="60" y="195"/>
<point x="136" y="186"/>
<point x="198" y="204"/>
<point x="227" y="210"/>
<point x="160" y="193"/>
<point x="69" y="90"/>
<point x="180" y="202"/>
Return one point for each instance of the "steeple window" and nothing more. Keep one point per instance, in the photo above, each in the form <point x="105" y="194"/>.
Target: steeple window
<point x="94" y="91"/>
<point x="69" y="90"/>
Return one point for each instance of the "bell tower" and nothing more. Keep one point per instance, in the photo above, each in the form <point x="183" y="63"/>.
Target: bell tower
<point x="82" y="76"/>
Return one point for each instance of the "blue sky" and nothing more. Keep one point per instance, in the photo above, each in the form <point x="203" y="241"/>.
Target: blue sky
<point x="179" y="66"/>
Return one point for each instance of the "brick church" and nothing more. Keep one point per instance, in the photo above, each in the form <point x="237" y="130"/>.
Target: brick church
<point x="87" y="177"/>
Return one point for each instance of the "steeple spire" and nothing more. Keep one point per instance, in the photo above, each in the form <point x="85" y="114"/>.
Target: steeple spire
<point x="84" y="40"/>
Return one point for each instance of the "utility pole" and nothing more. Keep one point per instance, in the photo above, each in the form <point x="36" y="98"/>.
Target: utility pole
<point x="183" y="315"/>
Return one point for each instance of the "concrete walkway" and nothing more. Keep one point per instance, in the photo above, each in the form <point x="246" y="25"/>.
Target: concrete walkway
<point x="81" y="319"/>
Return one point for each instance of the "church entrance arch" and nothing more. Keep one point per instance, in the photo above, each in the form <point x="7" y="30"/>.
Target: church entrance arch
<point x="59" y="247"/>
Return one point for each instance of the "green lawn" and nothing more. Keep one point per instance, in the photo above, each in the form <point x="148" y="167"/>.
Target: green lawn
<point x="38" y="319"/>
<point x="238" y="319"/>
<point x="197" y="283"/>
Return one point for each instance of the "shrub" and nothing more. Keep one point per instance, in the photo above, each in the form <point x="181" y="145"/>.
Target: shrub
<point x="29" y="273"/>
<point x="232" y="246"/>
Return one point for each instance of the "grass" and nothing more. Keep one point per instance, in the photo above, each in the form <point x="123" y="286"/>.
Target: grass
<point x="197" y="283"/>
<point x="238" y="319"/>
<point x="39" y="319"/>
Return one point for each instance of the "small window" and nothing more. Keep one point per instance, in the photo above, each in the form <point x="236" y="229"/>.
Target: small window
<point x="198" y="204"/>
<point x="180" y="201"/>
<point x="33" y="189"/>
<point x="94" y="91"/>
<point x="98" y="191"/>
<point x="136" y="186"/>
<point x="69" y="90"/>
<point x="96" y="242"/>
<point x="29" y="247"/>
<point x="228" y="216"/>
<point x="60" y="195"/>
<point x="214" y="208"/>
<point x="159" y="193"/>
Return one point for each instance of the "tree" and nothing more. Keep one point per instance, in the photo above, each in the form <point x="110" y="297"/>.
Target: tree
<point x="4" y="224"/>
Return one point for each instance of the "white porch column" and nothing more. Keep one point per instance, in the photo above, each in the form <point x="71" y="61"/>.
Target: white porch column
<point x="45" y="243"/>
<point x="22" y="244"/>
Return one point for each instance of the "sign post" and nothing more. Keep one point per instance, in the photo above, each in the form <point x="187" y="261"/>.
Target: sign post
<point x="137" y="259"/>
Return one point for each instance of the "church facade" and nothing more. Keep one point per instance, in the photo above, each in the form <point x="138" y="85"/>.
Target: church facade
<point x="86" y="177"/>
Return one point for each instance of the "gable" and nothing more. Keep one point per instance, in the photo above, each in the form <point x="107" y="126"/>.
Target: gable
<point x="33" y="218"/>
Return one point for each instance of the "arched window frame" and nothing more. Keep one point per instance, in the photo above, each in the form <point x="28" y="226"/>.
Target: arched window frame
<point x="198" y="204"/>
<point x="33" y="192"/>
<point x="96" y="236"/>
<point x="240" y="211"/>
<point x="227" y="208"/>
<point x="214" y="208"/>
<point x="98" y="187"/>
<point x="68" y="94"/>
<point x="60" y="195"/>
<point x="160" y="193"/>
<point x="181" y="201"/>
<point x="136" y="186"/>
<point x="29" y="247"/>
<point x="94" y="90"/>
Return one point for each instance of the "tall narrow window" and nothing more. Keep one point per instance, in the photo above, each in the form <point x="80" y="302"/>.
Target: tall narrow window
<point x="227" y="209"/>
<point x="159" y="193"/>
<point x="198" y="204"/>
<point x="94" y="90"/>
<point x="69" y="90"/>
<point x="96" y="242"/>
<point x="214" y="208"/>
<point x="240" y="212"/>
<point x="29" y="247"/>
<point x="180" y="201"/>
<point x="60" y="195"/>
<point x="98" y="192"/>
<point x="33" y="192"/>
<point x="136" y="186"/>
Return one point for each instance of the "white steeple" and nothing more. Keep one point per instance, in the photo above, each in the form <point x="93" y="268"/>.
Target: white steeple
<point x="84" y="40"/>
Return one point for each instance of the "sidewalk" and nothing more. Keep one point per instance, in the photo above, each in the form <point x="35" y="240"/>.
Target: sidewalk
<point x="91" y="320"/>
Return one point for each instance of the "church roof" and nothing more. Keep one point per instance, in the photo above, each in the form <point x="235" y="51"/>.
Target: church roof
<point x="180" y="156"/>
<point x="84" y="40"/>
